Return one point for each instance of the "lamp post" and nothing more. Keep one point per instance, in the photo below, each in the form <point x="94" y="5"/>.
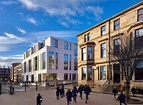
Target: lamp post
<point x="0" y="88"/>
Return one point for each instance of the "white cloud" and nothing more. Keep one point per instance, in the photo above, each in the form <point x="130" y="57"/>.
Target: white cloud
<point x="8" y="40"/>
<point x="64" y="24"/>
<point x="40" y="36"/>
<point x="4" y="48"/>
<point x="68" y="8"/>
<point x="96" y="10"/>
<point x="29" y="4"/>
<point x="32" y="20"/>
<point x="21" y="30"/>
<point x="59" y="34"/>
<point x="67" y="20"/>
<point x="11" y="36"/>
<point x="10" y="2"/>
<point x="8" y="60"/>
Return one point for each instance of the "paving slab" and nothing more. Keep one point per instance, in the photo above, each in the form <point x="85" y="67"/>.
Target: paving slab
<point x="49" y="98"/>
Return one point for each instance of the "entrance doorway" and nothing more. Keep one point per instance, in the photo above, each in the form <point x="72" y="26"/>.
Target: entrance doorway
<point x="116" y="72"/>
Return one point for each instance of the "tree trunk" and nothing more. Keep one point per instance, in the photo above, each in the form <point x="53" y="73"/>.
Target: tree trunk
<point x="127" y="90"/>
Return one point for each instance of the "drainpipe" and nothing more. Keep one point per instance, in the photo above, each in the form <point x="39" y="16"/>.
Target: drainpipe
<point x="109" y="68"/>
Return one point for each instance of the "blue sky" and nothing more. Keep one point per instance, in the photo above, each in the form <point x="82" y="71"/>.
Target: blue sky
<point x="25" y="22"/>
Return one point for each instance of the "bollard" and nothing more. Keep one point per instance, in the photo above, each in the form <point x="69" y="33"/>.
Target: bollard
<point x="11" y="88"/>
<point x="25" y="86"/>
<point x="46" y="85"/>
<point x="11" y="91"/>
<point x="36" y="86"/>
<point x="0" y="88"/>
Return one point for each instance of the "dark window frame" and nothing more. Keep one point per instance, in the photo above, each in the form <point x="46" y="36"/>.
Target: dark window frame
<point x="89" y="53"/>
<point x="83" y="76"/>
<point x="138" y="39"/>
<point x="102" y="50"/>
<point x="88" y="36"/>
<point x="116" y="24"/>
<point x="30" y="65"/>
<point x="85" y="38"/>
<point x="103" y="30"/>
<point x="66" y="65"/>
<point x="117" y="46"/>
<point x="56" y="60"/>
<point x="140" y="15"/>
<point x="66" y="76"/>
<point x="65" y="45"/>
<point x="82" y="54"/>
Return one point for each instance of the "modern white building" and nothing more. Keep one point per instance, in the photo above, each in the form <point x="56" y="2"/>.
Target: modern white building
<point x="51" y="59"/>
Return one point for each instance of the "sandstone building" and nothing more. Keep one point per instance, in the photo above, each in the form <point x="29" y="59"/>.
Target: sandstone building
<point x="94" y="44"/>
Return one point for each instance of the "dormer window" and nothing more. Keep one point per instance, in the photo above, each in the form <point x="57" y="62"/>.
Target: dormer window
<point x="86" y="37"/>
<point x="54" y="42"/>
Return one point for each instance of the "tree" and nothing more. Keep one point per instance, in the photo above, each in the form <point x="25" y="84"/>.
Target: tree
<point x="127" y="55"/>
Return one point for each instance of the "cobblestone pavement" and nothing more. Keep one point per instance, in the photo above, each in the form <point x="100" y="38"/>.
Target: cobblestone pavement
<point x="29" y="98"/>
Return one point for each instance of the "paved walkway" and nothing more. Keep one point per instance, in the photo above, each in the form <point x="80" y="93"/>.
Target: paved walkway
<point x="29" y="98"/>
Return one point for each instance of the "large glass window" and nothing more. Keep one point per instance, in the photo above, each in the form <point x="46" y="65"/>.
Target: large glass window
<point x="69" y="76"/>
<point x="54" y="42"/>
<point x="75" y="62"/>
<point x="52" y="76"/>
<point x="89" y="73"/>
<point x="103" y="30"/>
<point x="117" y="44"/>
<point x="103" y="50"/>
<point x="75" y="56"/>
<point x="70" y="63"/>
<point x="139" y="71"/>
<point x="102" y="72"/>
<point x="43" y="60"/>
<point x="51" y="60"/>
<point x="139" y="38"/>
<point x="36" y="63"/>
<point x="56" y="60"/>
<point x="83" y="53"/>
<point x="65" y="61"/>
<point x="66" y="45"/>
<point x="30" y="66"/>
<point x="89" y="54"/>
<point x="65" y="76"/>
<point x="32" y="78"/>
<point x="24" y="67"/>
<point x="140" y="14"/>
<point x="83" y="73"/>
<point x="116" y="24"/>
